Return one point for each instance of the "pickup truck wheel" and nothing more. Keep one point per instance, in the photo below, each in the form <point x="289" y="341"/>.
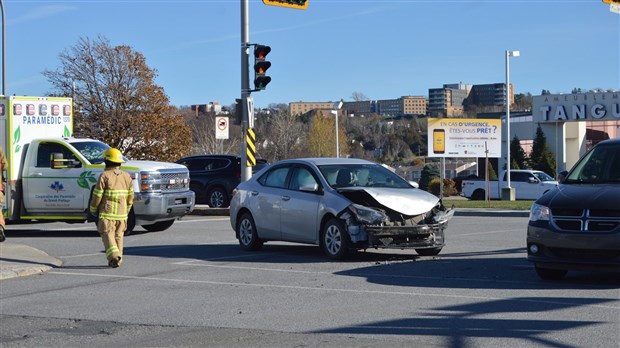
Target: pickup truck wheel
<point x="478" y="195"/>
<point x="158" y="226"/>
<point x="218" y="198"/>
<point x="428" y="252"/>
<point x="247" y="234"/>
<point x="334" y="240"/>
<point x="131" y="222"/>
<point x="550" y="274"/>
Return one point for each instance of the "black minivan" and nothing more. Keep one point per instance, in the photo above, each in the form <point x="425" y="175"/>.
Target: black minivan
<point x="577" y="225"/>
<point x="213" y="177"/>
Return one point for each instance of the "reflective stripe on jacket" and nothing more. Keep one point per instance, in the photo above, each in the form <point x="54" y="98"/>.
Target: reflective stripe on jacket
<point x="113" y="195"/>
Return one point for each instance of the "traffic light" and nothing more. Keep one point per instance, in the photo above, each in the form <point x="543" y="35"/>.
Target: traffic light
<point x="297" y="4"/>
<point x="260" y="66"/>
<point x="238" y="112"/>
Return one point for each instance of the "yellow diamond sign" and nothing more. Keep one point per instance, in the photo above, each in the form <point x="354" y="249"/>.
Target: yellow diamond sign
<point x="298" y="4"/>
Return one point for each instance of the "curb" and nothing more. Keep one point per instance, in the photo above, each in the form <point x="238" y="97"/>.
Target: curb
<point x="18" y="260"/>
<point x="206" y="211"/>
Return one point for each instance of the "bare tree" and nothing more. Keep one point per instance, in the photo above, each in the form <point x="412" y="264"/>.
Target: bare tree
<point x="203" y="134"/>
<point x="359" y="96"/>
<point x="117" y="101"/>
<point x="282" y="134"/>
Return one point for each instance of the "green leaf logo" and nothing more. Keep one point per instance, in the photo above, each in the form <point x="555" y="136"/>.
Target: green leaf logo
<point x="67" y="133"/>
<point x="85" y="178"/>
<point x="16" y="136"/>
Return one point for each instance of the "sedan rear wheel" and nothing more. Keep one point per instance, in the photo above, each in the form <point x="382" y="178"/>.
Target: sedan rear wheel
<point x="248" y="237"/>
<point x="334" y="240"/>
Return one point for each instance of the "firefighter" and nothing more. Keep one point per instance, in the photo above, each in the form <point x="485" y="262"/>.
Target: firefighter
<point x="110" y="203"/>
<point x="4" y="166"/>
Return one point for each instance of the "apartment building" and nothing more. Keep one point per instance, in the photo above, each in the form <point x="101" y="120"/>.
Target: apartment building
<point x="405" y="105"/>
<point x="493" y="94"/>
<point x="447" y="101"/>
<point x="360" y="108"/>
<point x="453" y="99"/>
<point x="300" y="108"/>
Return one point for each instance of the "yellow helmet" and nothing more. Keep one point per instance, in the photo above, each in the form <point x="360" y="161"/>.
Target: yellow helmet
<point x="113" y="155"/>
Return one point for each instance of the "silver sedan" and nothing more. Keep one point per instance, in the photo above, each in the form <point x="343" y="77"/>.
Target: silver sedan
<point x="340" y="204"/>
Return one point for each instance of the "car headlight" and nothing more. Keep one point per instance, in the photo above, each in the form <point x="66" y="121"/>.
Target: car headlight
<point x="366" y="215"/>
<point x="539" y="213"/>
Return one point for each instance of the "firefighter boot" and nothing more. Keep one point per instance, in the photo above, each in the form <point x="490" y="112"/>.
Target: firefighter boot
<point x="115" y="262"/>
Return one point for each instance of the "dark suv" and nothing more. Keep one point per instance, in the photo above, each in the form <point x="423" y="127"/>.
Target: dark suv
<point x="213" y="177"/>
<point x="577" y="225"/>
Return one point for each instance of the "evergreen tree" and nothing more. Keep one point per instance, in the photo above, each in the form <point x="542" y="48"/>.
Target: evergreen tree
<point x="542" y="158"/>
<point x="546" y="163"/>
<point x="518" y="158"/>
<point x="492" y="172"/>
<point x="429" y="172"/>
<point x="540" y="142"/>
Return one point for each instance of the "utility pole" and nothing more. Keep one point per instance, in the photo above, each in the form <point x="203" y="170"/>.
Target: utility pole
<point x="246" y="172"/>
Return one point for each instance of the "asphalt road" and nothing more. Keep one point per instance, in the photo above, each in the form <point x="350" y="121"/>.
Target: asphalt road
<point x="193" y="286"/>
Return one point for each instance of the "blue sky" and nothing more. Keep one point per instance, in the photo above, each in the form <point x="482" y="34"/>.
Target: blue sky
<point x="382" y="48"/>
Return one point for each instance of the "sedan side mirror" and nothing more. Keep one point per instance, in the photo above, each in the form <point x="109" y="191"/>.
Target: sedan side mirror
<point x="562" y="176"/>
<point x="313" y="188"/>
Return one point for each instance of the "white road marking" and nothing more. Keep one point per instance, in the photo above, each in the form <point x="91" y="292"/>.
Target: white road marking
<point x="488" y="232"/>
<point x="154" y="247"/>
<point x="296" y="287"/>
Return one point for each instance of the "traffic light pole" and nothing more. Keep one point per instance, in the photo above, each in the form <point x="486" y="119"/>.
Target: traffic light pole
<point x="246" y="172"/>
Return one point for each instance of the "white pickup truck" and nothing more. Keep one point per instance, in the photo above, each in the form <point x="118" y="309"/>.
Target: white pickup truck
<point x="51" y="174"/>
<point x="528" y="184"/>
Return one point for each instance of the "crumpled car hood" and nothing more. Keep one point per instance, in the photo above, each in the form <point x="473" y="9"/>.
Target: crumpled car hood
<point x="405" y="201"/>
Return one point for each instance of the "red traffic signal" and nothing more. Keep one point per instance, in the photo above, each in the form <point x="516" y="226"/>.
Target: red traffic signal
<point x="261" y="51"/>
<point x="260" y="66"/>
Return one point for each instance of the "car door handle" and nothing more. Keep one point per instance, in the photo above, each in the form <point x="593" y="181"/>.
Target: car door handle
<point x="286" y="198"/>
<point x="36" y="174"/>
<point x="254" y="193"/>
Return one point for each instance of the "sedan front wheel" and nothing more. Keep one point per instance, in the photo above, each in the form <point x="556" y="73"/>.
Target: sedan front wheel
<point x="334" y="240"/>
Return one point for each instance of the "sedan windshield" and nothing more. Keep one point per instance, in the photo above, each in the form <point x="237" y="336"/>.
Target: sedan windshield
<point x="364" y="175"/>
<point x="601" y="165"/>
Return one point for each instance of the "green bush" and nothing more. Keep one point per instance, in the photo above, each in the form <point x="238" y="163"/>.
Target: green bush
<point x="449" y="187"/>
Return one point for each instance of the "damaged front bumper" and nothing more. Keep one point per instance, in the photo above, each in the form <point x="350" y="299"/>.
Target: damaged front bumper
<point x="419" y="236"/>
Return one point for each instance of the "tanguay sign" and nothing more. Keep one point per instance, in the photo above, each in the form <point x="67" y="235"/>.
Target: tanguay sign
<point x="604" y="106"/>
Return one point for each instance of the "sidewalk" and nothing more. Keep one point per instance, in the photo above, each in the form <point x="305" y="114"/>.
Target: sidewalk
<point x="18" y="260"/>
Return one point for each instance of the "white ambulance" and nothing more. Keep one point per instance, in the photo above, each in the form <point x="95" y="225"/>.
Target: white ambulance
<point x="51" y="174"/>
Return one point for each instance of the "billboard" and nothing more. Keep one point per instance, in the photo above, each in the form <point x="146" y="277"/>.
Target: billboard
<point x="464" y="137"/>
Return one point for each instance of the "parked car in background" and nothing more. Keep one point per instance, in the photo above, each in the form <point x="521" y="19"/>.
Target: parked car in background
<point x="528" y="184"/>
<point x="577" y="225"/>
<point x="213" y="177"/>
<point x="340" y="204"/>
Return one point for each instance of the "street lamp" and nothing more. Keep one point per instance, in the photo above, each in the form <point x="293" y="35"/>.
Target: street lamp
<point x="508" y="55"/>
<point x="337" y="106"/>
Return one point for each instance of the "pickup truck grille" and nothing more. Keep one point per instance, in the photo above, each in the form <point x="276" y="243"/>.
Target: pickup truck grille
<point x="578" y="220"/>
<point x="174" y="182"/>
